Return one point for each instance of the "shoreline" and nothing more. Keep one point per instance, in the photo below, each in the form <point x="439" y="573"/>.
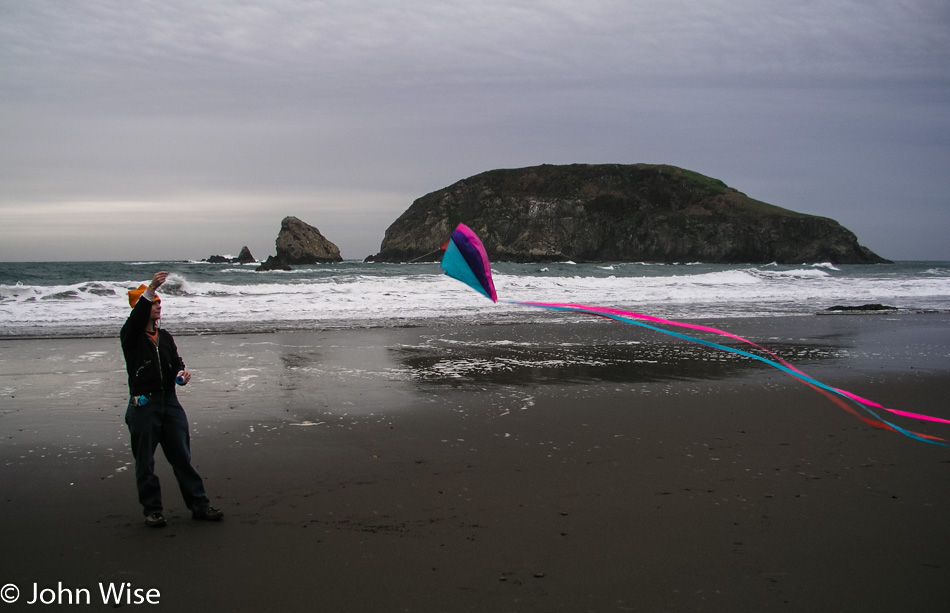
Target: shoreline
<point x="183" y="329"/>
<point x="534" y="467"/>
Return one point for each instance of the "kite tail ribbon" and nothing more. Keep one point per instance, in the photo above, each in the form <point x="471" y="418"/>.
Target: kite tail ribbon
<point x="777" y="362"/>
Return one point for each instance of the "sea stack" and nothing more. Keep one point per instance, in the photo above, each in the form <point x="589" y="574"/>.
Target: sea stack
<point x="300" y="243"/>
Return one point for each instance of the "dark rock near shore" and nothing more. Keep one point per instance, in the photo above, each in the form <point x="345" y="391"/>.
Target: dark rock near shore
<point x="861" y="307"/>
<point x="273" y="263"/>
<point x="613" y="212"/>
<point x="244" y="257"/>
<point x="300" y="243"/>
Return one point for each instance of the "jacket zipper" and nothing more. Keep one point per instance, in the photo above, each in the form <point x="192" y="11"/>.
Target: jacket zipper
<point x="158" y="356"/>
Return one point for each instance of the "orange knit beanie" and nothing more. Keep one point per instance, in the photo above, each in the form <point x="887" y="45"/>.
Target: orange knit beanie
<point x="135" y="294"/>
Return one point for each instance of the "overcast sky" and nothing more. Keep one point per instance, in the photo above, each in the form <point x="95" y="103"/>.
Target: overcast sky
<point x="176" y="129"/>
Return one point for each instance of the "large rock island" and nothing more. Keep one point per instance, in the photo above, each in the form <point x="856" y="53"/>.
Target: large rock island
<point x="620" y="213"/>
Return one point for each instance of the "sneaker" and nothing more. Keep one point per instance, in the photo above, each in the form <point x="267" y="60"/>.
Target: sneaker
<point x="208" y="514"/>
<point x="155" y="520"/>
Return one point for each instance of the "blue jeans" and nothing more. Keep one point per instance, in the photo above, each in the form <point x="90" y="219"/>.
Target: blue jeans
<point x="163" y="422"/>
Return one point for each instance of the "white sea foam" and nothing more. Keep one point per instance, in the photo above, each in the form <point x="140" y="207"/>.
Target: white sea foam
<point x="202" y="297"/>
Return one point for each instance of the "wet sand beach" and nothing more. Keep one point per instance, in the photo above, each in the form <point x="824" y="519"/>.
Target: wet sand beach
<point x="587" y="466"/>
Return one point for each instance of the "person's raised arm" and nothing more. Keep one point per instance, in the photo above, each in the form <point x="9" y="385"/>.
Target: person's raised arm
<point x="140" y="315"/>
<point x="158" y="279"/>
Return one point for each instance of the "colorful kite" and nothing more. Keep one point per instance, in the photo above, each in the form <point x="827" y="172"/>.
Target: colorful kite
<point x="465" y="259"/>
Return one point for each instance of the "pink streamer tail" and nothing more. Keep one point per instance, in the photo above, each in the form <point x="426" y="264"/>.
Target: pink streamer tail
<point x="669" y="322"/>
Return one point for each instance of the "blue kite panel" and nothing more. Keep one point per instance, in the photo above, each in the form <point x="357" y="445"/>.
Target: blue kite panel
<point x="456" y="266"/>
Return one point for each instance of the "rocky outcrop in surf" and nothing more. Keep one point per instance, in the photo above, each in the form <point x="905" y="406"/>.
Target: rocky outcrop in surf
<point x="244" y="257"/>
<point x="300" y="243"/>
<point x="621" y="213"/>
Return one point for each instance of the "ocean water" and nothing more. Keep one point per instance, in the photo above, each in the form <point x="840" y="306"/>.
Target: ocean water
<point x="88" y="299"/>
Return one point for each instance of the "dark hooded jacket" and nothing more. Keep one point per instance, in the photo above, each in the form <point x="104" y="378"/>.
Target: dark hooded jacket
<point x="152" y="370"/>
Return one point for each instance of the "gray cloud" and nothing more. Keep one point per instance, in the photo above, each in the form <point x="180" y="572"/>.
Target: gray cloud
<point x="343" y="112"/>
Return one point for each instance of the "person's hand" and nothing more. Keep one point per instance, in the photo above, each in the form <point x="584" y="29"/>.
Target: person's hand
<point x="185" y="375"/>
<point x="157" y="280"/>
